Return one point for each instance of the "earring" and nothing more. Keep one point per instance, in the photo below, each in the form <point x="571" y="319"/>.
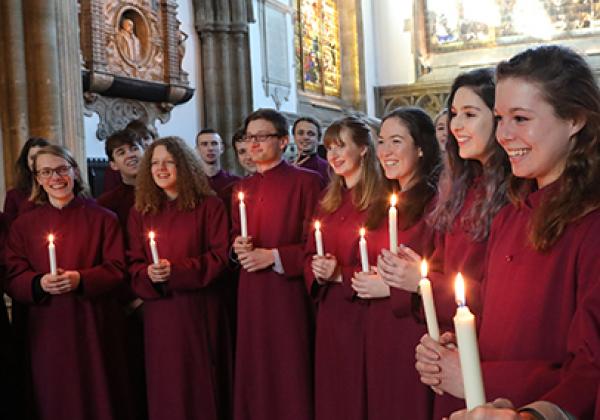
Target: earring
<point x="420" y="153"/>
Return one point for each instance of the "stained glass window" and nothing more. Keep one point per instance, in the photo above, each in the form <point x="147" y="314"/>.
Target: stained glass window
<point x="318" y="47"/>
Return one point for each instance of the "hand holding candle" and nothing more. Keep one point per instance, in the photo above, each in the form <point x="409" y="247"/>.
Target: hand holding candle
<point x="319" y="239"/>
<point x="153" y="248"/>
<point x="364" y="256"/>
<point x="243" y="218"/>
<point x="393" y="224"/>
<point x="428" y="303"/>
<point x="466" y="337"/>
<point x="52" y="254"/>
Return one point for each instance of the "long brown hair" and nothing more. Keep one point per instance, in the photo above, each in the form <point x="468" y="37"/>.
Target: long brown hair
<point x="367" y="194"/>
<point x="460" y="174"/>
<point x="80" y="188"/>
<point x="422" y="130"/>
<point x="568" y="85"/>
<point x="192" y="184"/>
<point x="24" y="175"/>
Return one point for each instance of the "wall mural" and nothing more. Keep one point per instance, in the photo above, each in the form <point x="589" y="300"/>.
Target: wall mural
<point x="461" y="24"/>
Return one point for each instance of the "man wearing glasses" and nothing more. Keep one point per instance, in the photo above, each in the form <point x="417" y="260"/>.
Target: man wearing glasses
<point x="273" y="378"/>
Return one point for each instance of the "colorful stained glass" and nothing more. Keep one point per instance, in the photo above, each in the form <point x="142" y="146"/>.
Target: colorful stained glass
<point x="318" y="47"/>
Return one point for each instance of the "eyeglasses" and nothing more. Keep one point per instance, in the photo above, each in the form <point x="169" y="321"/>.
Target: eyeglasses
<point x="260" y="138"/>
<point x="60" y="171"/>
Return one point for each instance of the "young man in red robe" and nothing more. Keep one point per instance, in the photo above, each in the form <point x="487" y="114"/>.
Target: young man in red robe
<point x="210" y="148"/>
<point x="307" y="133"/>
<point x="124" y="150"/>
<point x="73" y="323"/>
<point x="273" y="378"/>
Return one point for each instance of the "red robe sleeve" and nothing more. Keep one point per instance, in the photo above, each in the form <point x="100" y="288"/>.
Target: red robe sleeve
<point x="111" y="272"/>
<point x="19" y="281"/>
<point x="192" y="273"/>
<point x="292" y="255"/>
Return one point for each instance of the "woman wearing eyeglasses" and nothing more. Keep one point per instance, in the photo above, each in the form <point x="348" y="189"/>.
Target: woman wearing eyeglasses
<point x="72" y="320"/>
<point x="185" y="340"/>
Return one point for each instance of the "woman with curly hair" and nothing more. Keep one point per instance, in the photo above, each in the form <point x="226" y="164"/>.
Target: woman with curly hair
<point x="17" y="199"/>
<point x="181" y="316"/>
<point x="72" y="320"/>
<point x="539" y="335"/>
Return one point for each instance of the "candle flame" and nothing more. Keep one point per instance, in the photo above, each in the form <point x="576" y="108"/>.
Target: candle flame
<point x="362" y="232"/>
<point x="423" y="268"/>
<point x="151" y="235"/>
<point x="393" y="200"/>
<point x="317" y="225"/>
<point x="459" y="290"/>
<point x="51" y="238"/>
<point x="241" y="196"/>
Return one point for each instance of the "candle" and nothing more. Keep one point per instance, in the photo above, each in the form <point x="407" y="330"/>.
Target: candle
<point x="153" y="248"/>
<point x="393" y="224"/>
<point x="428" y="303"/>
<point x="319" y="239"/>
<point x="52" y="254"/>
<point x="466" y="337"/>
<point x="364" y="257"/>
<point x="243" y="219"/>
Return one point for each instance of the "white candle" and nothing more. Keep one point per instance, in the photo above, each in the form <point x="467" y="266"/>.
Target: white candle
<point x="428" y="303"/>
<point x="466" y="337"/>
<point x="153" y="248"/>
<point x="364" y="256"/>
<point x="243" y="219"/>
<point x="393" y="224"/>
<point x="52" y="254"/>
<point x="319" y="239"/>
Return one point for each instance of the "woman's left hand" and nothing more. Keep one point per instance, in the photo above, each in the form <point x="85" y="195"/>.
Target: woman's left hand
<point x="369" y="286"/>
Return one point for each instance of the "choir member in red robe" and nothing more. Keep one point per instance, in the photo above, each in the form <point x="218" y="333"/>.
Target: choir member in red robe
<point x="124" y="151"/>
<point x="182" y="335"/>
<point x="541" y="277"/>
<point x="242" y="152"/>
<point x="410" y="156"/>
<point x="72" y="320"/>
<point x="307" y="134"/>
<point x="210" y="147"/>
<point x="273" y="376"/>
<point x="17" y="199"/>
<point x="472" y="191"/>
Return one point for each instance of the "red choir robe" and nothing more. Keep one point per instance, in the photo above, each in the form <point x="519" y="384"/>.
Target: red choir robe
<point x="16" y="203"/>
<point x="112" y="179"/>
<point x="317" y="164"/>
<point x="223" y="183"/>
<point x="364" y="357"/>
<point x="77" y="365"/>
<point x="273" y="377"/>
<point x="456" y="251"/>
<point x="185" y="358"/>
<point x="120" y="200"/>
<point x="539" y="334"/>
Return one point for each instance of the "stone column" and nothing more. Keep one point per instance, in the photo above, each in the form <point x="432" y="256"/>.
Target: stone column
<point x="69" y="58"/>
<point x="13" y="80"/>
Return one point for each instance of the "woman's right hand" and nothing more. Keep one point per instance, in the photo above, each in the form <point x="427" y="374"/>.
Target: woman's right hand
<point x="159" y="273"/>
<point x="325" y="268"/>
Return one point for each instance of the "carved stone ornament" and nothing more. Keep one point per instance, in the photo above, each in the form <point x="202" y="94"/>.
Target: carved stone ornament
<point x="133" y="49"/>
<point x="116" y="113"/>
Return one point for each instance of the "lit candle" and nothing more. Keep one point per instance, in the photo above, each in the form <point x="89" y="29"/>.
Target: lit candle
<point x="466" y="337"/>
<point x="153" y="248"/>
<point x="364" y="257"/>
<point x="319" y="239"/>
<point x="393" y="224"/>
<point x="428" y="303"/>
<point x="243" y="219"/>
<point x="52" y="254"/>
